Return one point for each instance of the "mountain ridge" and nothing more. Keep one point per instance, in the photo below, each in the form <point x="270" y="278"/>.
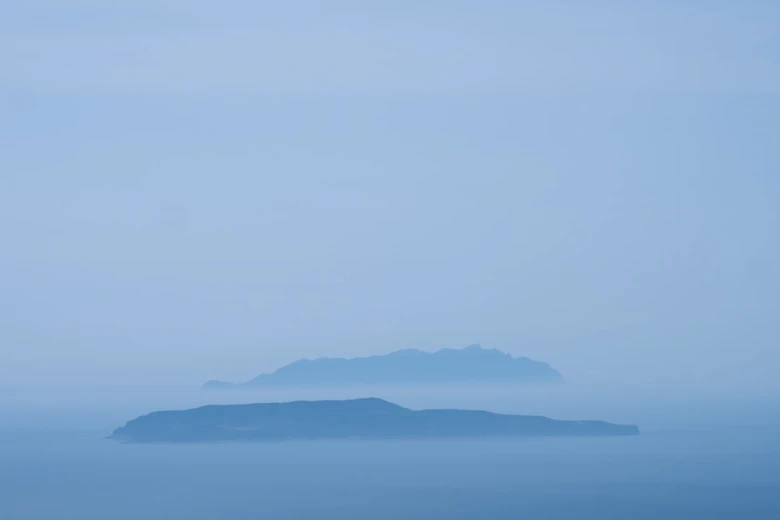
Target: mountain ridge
<point x="470" y="364"/>
<point x="365" y="418"/>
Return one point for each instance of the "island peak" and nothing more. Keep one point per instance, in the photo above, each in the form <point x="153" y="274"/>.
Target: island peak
<point x="472" y="364"/>
<point x="367" y="418"/>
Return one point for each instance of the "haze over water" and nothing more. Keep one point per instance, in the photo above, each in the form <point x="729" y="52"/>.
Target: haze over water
<point x="701" y="459"/>
<point x="197" y="190"/>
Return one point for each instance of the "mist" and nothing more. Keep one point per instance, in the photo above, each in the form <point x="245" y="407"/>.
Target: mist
<point x="180" y="203"/>
<point x="195" y="191"/>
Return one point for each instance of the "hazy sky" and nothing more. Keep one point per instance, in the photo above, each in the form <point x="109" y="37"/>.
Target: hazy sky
<point x="195" y="190"/>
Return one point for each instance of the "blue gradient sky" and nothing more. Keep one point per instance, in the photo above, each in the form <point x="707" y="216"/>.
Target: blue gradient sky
<point x="201" y="190"/>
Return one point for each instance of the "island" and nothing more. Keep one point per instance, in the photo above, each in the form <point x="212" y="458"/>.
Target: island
<point x="472" y="364"/>
<point x="367" y="418"/>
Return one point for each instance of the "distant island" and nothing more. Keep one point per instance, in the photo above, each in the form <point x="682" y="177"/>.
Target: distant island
<point x="369" y="418"/>
<point x="471" y="364"/>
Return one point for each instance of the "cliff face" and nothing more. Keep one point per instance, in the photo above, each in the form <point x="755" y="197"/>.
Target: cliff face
<point x="471" y="364"/>
<point x="358" y="418"/>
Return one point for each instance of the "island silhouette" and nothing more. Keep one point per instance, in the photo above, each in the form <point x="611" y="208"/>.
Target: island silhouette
<point x="411" y="366"/>
<point x="367" y="418"/>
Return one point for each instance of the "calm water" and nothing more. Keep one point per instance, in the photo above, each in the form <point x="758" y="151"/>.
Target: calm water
<point x="659" y="475"/>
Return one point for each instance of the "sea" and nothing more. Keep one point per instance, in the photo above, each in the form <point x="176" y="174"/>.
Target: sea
<point x="55" y="463"/>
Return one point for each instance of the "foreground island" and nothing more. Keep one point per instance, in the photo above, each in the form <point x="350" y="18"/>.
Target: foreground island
<point x="369" y="418"/>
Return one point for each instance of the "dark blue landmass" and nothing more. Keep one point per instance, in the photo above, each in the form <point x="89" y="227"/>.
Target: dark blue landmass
<point x="471" y="364"/>
<point x="369" y="418"/>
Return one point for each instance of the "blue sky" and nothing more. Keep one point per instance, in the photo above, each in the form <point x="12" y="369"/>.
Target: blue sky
<point x="194" y="191"/>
